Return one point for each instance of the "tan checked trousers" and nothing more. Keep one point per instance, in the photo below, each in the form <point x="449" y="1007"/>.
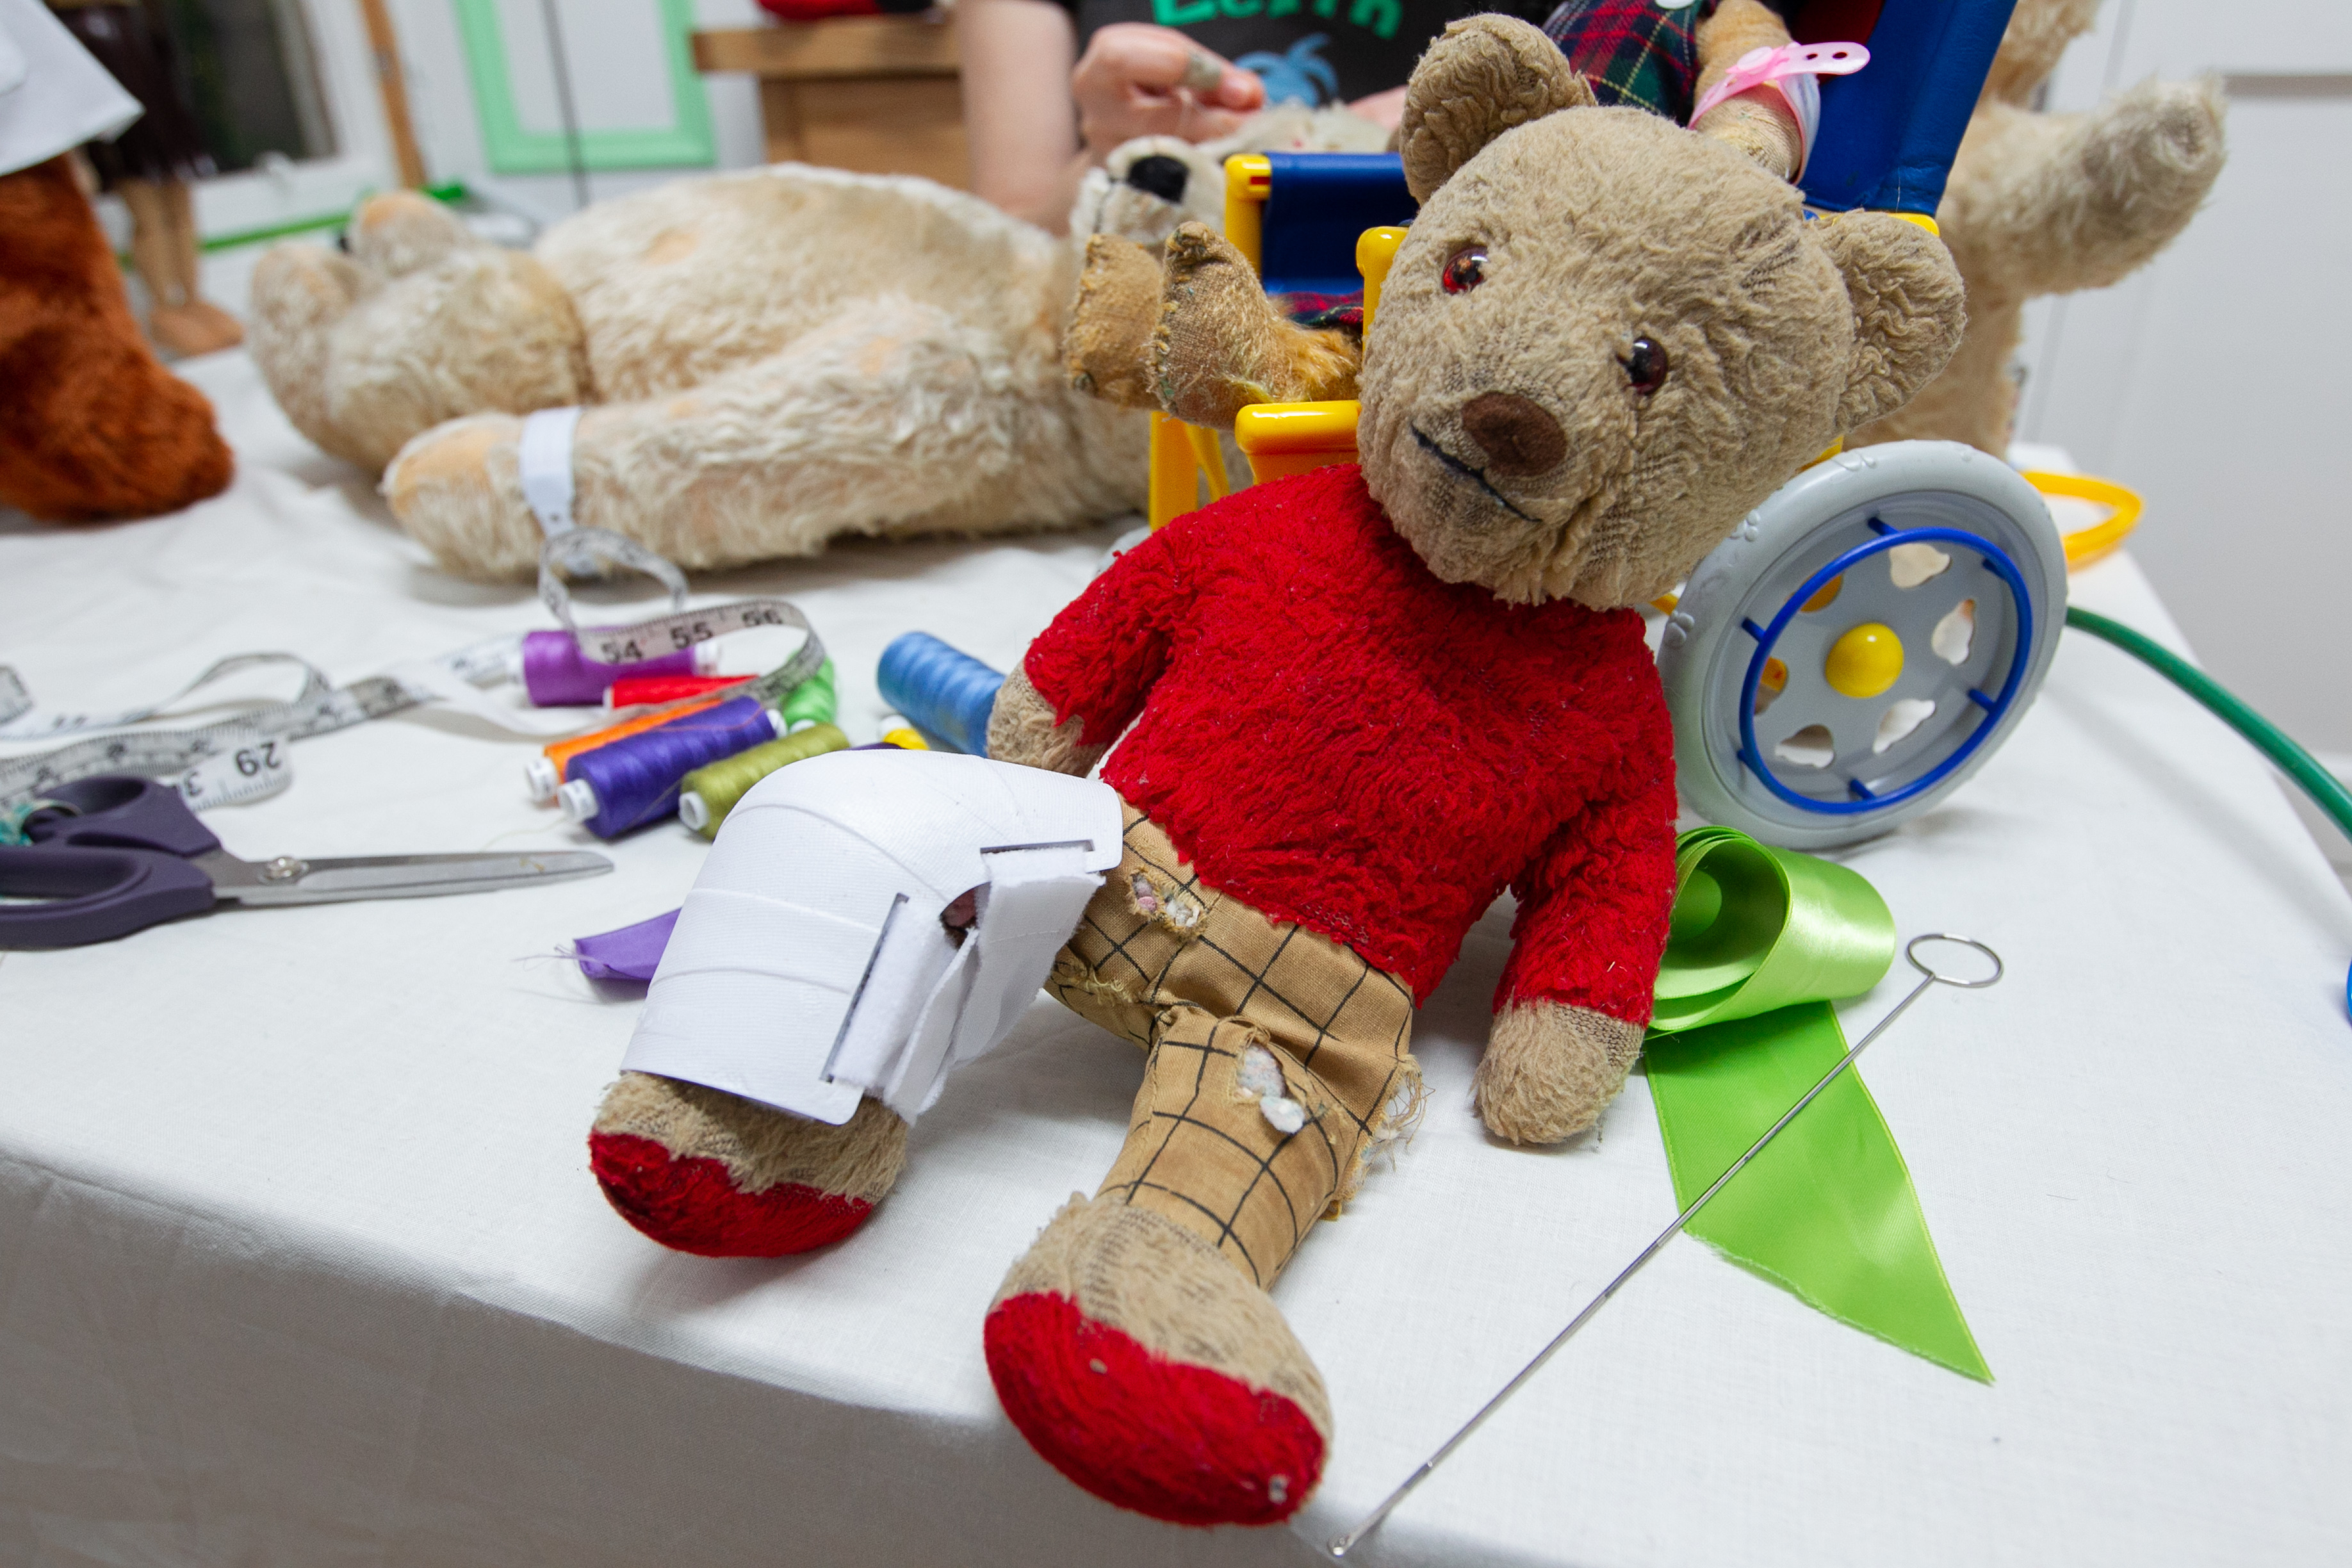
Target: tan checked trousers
<point x="1275" y="1061"/>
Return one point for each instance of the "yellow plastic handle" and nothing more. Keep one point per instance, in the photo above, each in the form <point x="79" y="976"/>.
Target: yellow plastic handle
<point x="1376" y="251"/>
<point x="2085" y="545"/>
<point x="1285" y="438"/>
<point x="1249" y="178"/>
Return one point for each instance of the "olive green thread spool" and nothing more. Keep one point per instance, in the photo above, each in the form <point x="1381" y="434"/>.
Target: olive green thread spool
<point x="811" y="702"/>
<point x="708" y="794"/>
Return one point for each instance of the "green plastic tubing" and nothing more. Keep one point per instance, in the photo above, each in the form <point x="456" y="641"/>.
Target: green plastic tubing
<point x="2325" y="792"/>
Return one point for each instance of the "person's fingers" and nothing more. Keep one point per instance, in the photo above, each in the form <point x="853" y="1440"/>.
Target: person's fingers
<point x="1146" y="61"/>
<point x="1136" y="80"/>
<point x="1133" y="55"/>
<point x="1239" y="89"/>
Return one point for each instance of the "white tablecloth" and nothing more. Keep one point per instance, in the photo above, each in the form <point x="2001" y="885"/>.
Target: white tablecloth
<point x="300" y="1261"/>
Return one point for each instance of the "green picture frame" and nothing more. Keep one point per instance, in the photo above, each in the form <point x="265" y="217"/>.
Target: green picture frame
<point x="511" y="150"/>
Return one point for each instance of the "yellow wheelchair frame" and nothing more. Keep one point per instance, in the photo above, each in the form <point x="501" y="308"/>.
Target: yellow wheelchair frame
<point x="1278" y="438"/>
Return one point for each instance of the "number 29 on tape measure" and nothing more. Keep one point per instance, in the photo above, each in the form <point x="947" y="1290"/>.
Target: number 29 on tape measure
<point x="246" y="772"/>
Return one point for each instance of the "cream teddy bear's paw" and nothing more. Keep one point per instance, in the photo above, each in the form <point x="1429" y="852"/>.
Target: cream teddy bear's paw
<point x="456" y="489"/>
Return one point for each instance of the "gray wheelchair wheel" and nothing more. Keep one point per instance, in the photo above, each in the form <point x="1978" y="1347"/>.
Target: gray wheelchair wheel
<point x="1882" y="622"/>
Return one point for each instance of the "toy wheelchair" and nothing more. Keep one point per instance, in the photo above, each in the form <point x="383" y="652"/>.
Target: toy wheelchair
<point x="1867" y="637"/>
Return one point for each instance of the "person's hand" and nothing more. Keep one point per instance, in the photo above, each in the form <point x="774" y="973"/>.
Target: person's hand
<point x="1136" y="80"/>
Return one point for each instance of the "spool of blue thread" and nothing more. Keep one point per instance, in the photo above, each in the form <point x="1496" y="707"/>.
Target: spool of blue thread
<point x="635" y="779"/>
<point x="946" y="693"/>
<point x="555" y="674"/>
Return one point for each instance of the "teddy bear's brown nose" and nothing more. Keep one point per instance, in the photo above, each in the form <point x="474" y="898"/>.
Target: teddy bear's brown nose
<point x="1517" y="436"/>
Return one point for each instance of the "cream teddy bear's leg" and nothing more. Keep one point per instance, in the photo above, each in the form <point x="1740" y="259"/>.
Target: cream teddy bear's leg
<point x="891" y="418"/>
<point x="2049" y="204"/>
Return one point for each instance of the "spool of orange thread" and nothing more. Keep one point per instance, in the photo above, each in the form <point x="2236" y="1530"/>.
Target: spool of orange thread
<point x="544" y="773"/>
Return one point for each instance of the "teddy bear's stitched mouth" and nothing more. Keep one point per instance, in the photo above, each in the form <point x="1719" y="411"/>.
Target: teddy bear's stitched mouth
<point x="1466" y="471"/>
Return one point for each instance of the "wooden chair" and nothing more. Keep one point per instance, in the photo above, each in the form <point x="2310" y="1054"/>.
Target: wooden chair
<point x="881" y="95"/>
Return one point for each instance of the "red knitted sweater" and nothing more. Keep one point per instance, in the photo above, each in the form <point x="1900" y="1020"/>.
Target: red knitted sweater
<point x="1332" y="735"/>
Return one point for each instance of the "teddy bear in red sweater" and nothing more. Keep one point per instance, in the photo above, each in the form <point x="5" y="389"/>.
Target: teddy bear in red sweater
<point x="1349" y="710"/>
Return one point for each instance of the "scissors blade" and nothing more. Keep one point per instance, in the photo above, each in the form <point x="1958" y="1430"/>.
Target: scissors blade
<point x="289" y="881"/>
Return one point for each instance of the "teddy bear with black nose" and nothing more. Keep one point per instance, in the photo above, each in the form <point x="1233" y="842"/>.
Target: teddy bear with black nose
<point x="1344" y="712"/>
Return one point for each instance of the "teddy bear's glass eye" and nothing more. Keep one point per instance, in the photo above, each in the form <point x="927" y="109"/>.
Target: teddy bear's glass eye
<point x="1646" y="367"/>
<point x="1464" y="269"/>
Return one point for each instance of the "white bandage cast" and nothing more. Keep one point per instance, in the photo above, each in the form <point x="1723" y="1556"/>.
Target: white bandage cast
<point x="811" y="965"/>
<point x="544" y="458"/>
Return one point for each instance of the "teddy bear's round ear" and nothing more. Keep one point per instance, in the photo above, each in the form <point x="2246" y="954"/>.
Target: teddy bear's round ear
<point x="1480" y="77"/>
<point x="1909" y="309"/>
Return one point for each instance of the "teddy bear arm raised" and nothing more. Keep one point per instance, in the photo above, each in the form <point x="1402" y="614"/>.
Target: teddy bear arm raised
<point x="1756" y="122"/>
<point x="2048" y="204"/>
<point x="1575" y="994"/>
<point x="1219" y="344"/>
<point x="1107" y="346"/>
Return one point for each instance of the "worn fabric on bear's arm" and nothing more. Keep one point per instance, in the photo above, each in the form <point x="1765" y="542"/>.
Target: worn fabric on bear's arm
<point x="1594" y="905"/>
<point x="1331" y="734"/>
<point x="1100" y="659"/>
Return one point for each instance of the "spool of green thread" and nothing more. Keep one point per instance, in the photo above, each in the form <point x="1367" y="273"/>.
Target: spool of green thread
<point x="708" y="794"/>
<point x="811" y="702"/>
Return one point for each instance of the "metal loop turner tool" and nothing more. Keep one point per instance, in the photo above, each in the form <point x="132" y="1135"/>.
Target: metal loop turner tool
<point x="1341" y="1545"/>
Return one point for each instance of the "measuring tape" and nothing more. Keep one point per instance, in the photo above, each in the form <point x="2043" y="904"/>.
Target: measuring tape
<point x="580" y="550"/>
<point x="243" y="757"/>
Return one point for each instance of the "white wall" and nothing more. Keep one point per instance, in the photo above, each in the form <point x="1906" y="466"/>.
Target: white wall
<point x="2215" y="381"/>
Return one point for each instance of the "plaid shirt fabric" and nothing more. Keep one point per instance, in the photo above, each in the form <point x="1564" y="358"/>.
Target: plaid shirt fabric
<point x="1345" y="311"/>
<point x="1634" y="52"/>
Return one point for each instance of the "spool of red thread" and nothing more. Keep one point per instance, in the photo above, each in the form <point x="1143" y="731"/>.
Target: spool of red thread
<point x="640" y="691"/>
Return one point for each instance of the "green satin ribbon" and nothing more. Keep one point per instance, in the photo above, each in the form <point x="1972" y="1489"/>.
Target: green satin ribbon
<point x="1762" y="940"/>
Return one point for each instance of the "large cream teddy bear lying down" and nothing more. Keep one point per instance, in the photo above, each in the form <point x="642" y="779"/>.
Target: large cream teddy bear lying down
<point x="767" y="359"/>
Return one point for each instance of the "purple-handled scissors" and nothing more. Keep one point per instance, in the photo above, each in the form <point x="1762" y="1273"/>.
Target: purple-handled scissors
<point x="112" y="855"/>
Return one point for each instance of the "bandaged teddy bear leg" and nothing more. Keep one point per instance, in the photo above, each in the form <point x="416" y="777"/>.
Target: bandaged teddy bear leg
<point x="703" y="1171"/>
<point x="1134" y="1344"/>
<point x="1221" y="344"/>
<point x="895" y="417"/>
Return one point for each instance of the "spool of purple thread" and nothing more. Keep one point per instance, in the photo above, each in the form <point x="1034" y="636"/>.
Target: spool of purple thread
<point x="556" y="674"/>
<point x="630" y="781"/>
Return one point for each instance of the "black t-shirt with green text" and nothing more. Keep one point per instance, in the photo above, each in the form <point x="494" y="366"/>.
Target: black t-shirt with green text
<point x="1308" y="51"/>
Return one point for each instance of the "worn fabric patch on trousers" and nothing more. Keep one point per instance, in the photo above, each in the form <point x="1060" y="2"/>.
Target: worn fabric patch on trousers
<point x="1277" y="1060"/>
